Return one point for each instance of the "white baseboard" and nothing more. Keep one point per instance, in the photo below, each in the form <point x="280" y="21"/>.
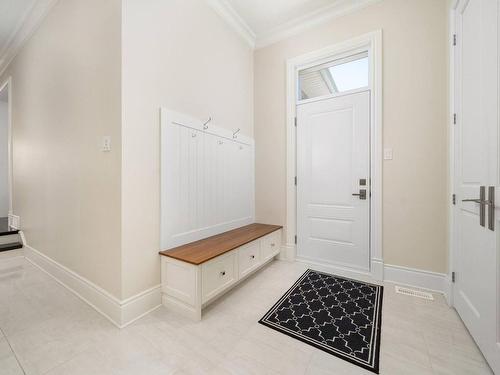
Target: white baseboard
<point x="287" y="252"/>
<point x="141" y="304"/>
<point x="432" y="281"/>
<point x="377" y="269"/>
<point x="421" y="279"/>
<point x="119" y="312"/>
<point x="448" y="290"/>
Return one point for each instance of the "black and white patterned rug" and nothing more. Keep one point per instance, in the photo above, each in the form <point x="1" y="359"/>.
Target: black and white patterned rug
<point x="338" y="315"/>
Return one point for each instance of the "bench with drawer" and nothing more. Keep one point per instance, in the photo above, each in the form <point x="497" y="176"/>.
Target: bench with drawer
<point x="194" y="274"/>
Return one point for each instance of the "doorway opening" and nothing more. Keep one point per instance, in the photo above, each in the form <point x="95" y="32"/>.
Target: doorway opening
<point x="334" y="157"/>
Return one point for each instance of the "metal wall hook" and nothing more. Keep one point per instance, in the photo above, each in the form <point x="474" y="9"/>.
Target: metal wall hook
<point x="205" y="124"/>
<point x="235" y="133"/>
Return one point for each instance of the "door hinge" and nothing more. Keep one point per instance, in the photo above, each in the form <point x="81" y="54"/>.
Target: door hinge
<point x="454" y="199"/>
<point x="454" y="39"/>
<point x="295" y="180"/>
<point x="295" y="239"/>
<point x="295" y="121"/>
<point x="453" y="277"/>
<point x="454" y="119"/>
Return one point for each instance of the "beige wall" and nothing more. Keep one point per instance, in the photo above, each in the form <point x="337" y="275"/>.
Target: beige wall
<point x="181" y="55"/>
<point x="65" y="96"/>
<point x="415" y="124"/>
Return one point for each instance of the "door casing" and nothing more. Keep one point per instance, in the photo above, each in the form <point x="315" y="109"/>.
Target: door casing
<point x="7" y="85"/>
<point x="371" y="42"/>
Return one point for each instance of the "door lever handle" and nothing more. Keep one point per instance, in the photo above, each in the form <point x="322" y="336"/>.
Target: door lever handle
<point x="361" y="194"/>
<point x="482" y="203"/>
<point x="475" y="201"/>
<point x="491" y="208"/>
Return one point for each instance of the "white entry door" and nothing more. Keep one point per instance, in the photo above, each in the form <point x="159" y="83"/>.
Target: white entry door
<point x="333" y="164"/>
<point x="476" y="227"/>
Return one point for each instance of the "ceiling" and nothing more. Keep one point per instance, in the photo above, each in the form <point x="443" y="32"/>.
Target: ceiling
<point x="262" y="16"/>
<point x="13" y="13"/>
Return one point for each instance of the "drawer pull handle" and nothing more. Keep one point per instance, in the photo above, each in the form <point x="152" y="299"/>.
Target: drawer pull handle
<point x="272" y="245"/>
<point x="223" y="273"/>
<point x="252" y="256"/>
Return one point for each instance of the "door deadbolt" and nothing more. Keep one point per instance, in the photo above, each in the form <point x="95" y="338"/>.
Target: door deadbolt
<point x="361" y="194"/>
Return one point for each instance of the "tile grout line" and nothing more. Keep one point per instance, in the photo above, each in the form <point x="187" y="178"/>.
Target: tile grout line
<point x="12" y="350"/>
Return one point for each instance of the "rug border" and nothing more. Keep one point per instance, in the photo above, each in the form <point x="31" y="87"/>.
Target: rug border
<point x="378" y="329"/>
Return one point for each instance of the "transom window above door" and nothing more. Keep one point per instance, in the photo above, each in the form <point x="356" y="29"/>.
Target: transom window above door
<point x="333" y="77"/>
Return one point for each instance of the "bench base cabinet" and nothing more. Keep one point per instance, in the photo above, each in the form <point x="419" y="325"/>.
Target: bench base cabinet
<point x="187" y="288"/>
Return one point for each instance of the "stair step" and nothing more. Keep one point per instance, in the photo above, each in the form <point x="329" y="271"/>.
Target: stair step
<point x="11" y="246"/>
<point x="9" y="232"/>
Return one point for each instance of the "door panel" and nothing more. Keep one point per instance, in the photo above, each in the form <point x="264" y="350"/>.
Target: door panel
<point x="476" y="164"/>
<point x="333" y="154"/>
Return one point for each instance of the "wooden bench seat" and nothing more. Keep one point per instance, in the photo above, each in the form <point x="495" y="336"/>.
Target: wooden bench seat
<point x="208" y="248"/>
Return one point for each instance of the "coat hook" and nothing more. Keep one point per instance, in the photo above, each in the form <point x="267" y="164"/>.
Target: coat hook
<point x="205" y="125"/>
<point x="235" y="133"/>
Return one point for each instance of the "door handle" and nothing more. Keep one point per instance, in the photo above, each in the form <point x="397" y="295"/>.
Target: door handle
<point x="491" y="208"/>
<point x="482" y="202"/>
<point x="361" y="194"/>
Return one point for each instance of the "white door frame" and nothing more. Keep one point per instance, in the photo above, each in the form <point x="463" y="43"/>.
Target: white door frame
<point x="8" y="84"/>
<point x="371" y="42"/>
<point x="451" y="157"/>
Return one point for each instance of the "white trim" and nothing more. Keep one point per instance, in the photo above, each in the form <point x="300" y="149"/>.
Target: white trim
<point x="308" y="21"/>
<point x="433" y="281"/>
<point x="119" y="312"/>
<point x="233" y="19"/>
<point x="451" y="145"/>
<point x="8" y="84"/>
<point x="372" y="42"/>
<point x="26" y="28"/>
<point x="293" y="27"/>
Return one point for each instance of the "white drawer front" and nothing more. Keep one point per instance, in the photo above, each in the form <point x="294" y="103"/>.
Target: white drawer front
<point x="248" y="258"/>
<point x="218" y="274"/>
<point x="270" y="245"/>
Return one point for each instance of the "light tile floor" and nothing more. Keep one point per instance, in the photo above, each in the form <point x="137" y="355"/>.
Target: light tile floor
<point x="45" y="329"/>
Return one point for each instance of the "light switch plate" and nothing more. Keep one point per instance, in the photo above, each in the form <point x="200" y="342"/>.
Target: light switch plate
<point x="106" y="144"/>
<point x="388" y="154"/>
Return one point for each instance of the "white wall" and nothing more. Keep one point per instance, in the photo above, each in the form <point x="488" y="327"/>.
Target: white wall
<point x="181" y="55"/>
<point x="65" y="96"/>
<point x="414" y="118"/>
<point x="4" y="159"/>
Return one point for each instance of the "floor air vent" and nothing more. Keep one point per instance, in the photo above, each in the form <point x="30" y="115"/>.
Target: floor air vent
<point x="414" y="293"/>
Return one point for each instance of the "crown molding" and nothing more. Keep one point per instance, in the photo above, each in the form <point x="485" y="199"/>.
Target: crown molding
<point x="24" y="30"/>
<point x="296" y="26"/>
<point x="227" y="12"/>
